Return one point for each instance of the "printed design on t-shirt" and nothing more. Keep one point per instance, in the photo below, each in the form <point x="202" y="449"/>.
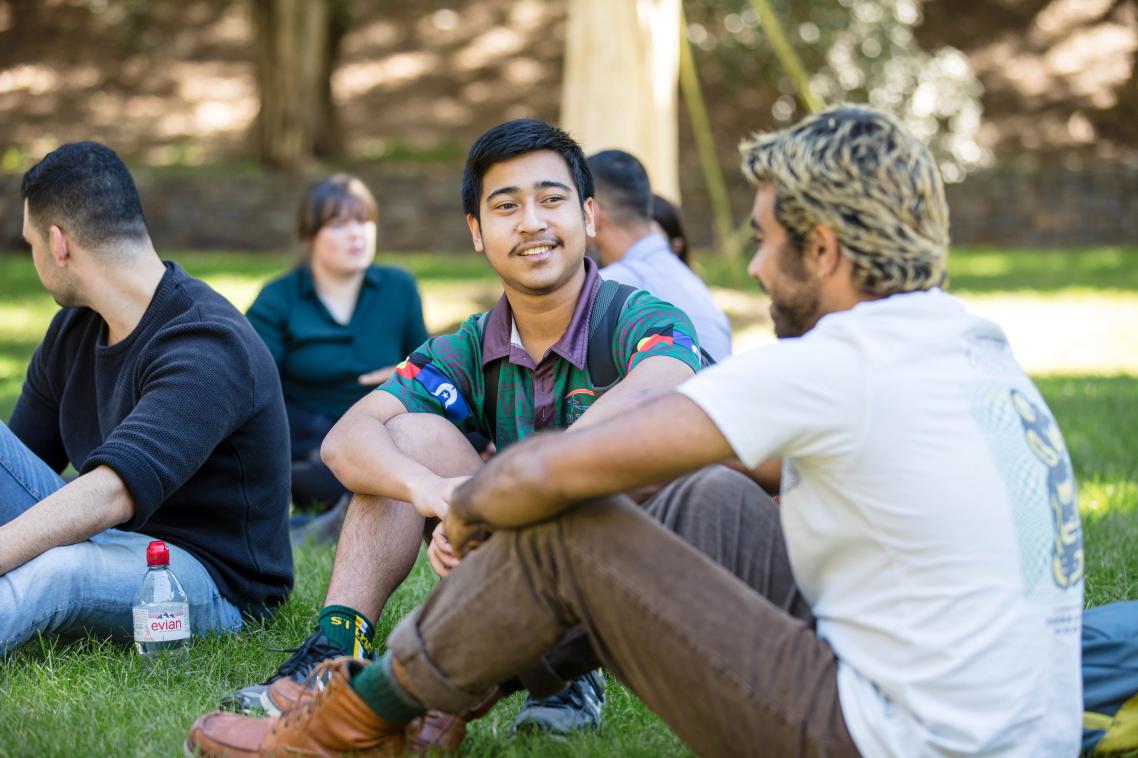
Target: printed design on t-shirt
<point x="662" y="335"/>
<point x="1029" y="454"/>
<point x="576" y="403"/>
<point x="1046" y="443"/>
<point x="419" y="368"/>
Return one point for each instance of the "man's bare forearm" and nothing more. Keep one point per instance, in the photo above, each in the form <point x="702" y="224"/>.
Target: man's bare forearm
<point x="96" y="501"/>
<point x="362" y="454"/>
<point x="536" y="479"/>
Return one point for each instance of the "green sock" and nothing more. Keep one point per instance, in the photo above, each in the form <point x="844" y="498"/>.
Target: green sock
<point x="348" y="629"/>
<point x="377" y="686"/>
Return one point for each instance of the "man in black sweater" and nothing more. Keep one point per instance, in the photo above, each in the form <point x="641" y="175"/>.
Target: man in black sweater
<point x="166" y="402"/>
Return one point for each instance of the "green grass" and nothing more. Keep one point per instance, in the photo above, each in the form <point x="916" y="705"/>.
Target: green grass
<point x="91" y="697"/>
<point x="1098" y="270"/>
<point x="96" y="697"/>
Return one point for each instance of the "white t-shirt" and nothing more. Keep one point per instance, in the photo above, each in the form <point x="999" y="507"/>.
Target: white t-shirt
<point x="929" y="512"/>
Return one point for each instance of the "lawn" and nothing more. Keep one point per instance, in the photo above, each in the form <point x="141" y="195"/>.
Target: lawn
<point x="1072" y="317"/>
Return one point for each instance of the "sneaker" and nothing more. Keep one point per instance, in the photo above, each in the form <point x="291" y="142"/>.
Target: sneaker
<point x="575" y="708"/>
<point x="255" y="699"/>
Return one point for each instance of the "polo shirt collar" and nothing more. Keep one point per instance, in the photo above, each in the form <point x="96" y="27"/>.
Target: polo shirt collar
<point x="501" y="332"/>
<point x="304" y="276"/>
<point x="373" y="275"/>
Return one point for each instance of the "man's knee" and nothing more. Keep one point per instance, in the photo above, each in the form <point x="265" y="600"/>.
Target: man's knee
<point x="60" y="587"/>
<point x="53" y="571"/>
<point x="713" y="494"/>
<point x="434" y="442"/>
<point x="593" y="522"/>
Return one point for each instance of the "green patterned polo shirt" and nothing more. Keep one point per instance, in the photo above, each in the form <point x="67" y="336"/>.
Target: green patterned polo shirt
<point x="445" y="376"/>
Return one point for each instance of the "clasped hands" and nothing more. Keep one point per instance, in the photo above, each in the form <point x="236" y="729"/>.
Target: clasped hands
<point x="454" y="537"/>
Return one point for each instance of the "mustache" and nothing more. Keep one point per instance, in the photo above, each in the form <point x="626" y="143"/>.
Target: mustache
<point x="546" y="240"/>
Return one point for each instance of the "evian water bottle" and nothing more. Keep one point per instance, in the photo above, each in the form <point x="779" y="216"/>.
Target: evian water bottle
<point x="161" y="613"/>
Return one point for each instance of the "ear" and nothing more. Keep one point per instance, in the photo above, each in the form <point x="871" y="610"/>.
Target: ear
<point x="823" y="249"/>
<point x="592" y="212"/>
<point x="475" y="233"/>
<point x="60" y="246"/>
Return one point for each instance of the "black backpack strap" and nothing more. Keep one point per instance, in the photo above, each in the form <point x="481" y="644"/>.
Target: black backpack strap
<point x="491" y="373"/>
<point x="603" y="318"/>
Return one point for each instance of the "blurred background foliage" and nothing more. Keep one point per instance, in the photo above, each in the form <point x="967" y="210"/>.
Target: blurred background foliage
<point x="856" y="51"/>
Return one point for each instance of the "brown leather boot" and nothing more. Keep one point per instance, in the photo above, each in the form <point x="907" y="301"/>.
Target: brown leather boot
<point x="433" y="731"/>
<point x="438" y="732"/>
<point x="329" y="722"/>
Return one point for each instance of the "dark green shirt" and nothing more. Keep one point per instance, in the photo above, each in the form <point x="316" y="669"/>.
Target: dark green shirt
<point x="445" y="376"/>
<point x="320" y="359"/>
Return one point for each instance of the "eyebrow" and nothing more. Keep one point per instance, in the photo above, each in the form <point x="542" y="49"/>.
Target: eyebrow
<point x="546" y="184"/>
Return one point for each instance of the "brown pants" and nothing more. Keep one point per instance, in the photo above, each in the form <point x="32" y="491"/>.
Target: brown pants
<point x="722" y="648"/>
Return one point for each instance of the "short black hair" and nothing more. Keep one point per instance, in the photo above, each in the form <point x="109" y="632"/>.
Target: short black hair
<point x="624" y="182"/>
<point x="518" y="137"/>
<point x="86" y="189"/>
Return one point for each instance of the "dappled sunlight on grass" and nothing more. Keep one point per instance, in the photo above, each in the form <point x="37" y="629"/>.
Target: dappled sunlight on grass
<point x="1061" y="333"/>
<point x="239" y="290"/>
<point x="445" y="305"/>
<point x="1096" y="270"/>
<point x="1066" y="334"/>
<point x="1101" y="270"/>
<point x="1099" y="497"/>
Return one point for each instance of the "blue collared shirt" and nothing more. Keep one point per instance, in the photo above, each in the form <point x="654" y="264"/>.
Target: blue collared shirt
<point x="651" y="265"/>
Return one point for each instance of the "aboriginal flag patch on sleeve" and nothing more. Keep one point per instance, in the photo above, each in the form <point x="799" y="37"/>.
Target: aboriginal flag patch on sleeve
<point x="660" y="336"/>
<point x="419" y="368"/>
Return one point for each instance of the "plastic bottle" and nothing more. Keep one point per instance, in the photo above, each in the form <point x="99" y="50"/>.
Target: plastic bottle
<point x="161" y="611"/>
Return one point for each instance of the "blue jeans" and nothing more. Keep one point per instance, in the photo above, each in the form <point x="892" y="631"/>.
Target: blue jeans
<point x="88" y="587"/>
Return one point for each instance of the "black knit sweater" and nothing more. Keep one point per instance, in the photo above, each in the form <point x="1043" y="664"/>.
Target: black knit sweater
<point x="187" y="410"/>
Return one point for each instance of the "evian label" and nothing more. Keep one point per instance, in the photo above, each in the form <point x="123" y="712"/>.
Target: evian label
<point x="164" y="623"/>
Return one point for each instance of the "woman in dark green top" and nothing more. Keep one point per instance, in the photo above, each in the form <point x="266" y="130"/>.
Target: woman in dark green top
<point x="336" y="325"/>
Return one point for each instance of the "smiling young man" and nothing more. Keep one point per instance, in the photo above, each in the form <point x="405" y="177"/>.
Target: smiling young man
<point x="927" y="510"/>
<point x="524" y="367"/>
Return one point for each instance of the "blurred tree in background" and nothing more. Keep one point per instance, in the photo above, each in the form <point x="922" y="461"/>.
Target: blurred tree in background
<point x="297" y="49"/>
<point x="855" y="50"/>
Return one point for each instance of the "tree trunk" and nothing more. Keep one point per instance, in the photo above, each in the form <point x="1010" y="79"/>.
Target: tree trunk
<point x="297" y="46"/>
<point x="619" y="90"/>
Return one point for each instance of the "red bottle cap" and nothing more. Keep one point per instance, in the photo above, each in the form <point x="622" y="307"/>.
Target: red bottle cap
<point x="157" y="554"/>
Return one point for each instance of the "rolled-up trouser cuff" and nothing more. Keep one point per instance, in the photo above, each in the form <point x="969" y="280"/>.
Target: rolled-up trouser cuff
<point x="424" y="680"/>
